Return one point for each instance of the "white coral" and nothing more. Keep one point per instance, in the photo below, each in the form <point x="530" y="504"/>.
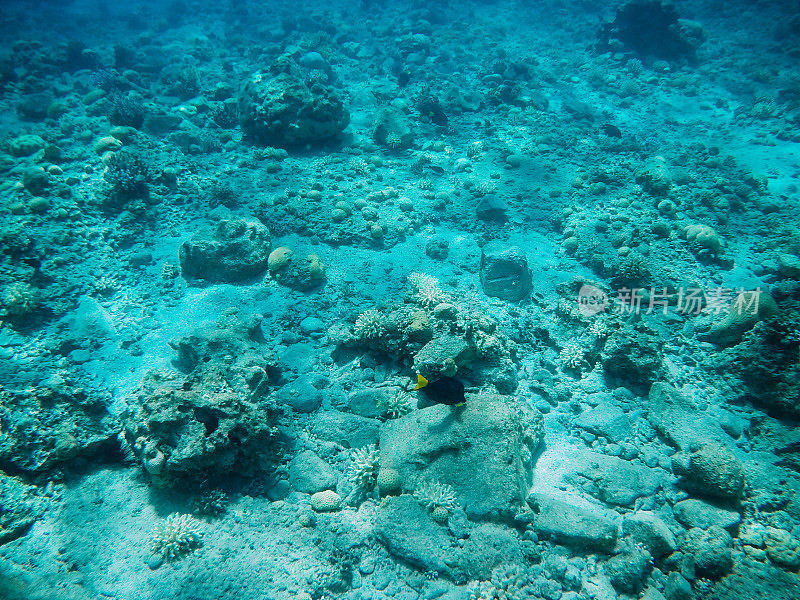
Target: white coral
<point x="175" y="536"/>
<point x="426" y="290"/>
<point x="364" y="467"/>
<point x="507" y="583"/>
<point x="571" y="356"/>
<point x="370" y="324"/>
<point x="432" y="494"/>
<point x="398" y="405"/>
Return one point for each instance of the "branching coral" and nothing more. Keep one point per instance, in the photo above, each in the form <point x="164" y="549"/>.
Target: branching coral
<point x="398" y="405"/>
<point x="426" y="290"/>
<point x="176" y="536"/>
<point x="364" y="468"/>
<point x="369" y="325"/>
<point x="433" y="495"/>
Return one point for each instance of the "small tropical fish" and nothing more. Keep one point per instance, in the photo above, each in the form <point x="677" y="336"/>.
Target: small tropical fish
<point x="612" y="130"/>
<point x="444" y="390"/>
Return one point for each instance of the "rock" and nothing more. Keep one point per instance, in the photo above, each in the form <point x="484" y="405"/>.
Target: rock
<point x="751" y="580"/>
<point x="613" y="480"/>
<point x="372" y="402"/>
<point x="410" y="535"/>
<point x="301" y="394"/>
<point x="484" y="450"/>
<point x="309" y="474"/>
<point x="782" y="548"/>
<point x="789" y="266"/>
<point x="492" y="208"/>
<point x="160" y="124"/>
<point x="628" y="571"/>
<point x="296" y="271"/>
<point x="747" y="309"/>
<point x="654" y="177"/>
<point x="392" y="128"/>
<point x="632" y="357"/>
<point x="678" y="588"/>
<point x="25" y="145"/>
<point x="703" y="239"/>
<point x="505" y="273"/>
<point x="21" y="507"/>
<point x="605" y="420"/>
<point x="680" y="420"/>
<point x="348" y="430"/>
<point x="407" y="531"/>
<point x="581" y="527"/>
<point x="35" y="180"/>
<point x="233" y="251"/>
<point x="712" y="471"/>
<point x="651" y="532"/>
<point x="284" y="111"/>
<point x="709" y="552"/>
<point x="433" y="356"/>
<point x="696" y="513"/>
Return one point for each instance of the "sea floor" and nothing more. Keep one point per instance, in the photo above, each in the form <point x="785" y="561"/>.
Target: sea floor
<point x="213" y="315"/>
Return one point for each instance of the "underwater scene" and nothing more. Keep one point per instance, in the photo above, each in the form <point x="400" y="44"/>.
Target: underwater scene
<point x="399" y="300"/>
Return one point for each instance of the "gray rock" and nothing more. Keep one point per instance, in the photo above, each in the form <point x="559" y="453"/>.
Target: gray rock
<point x="712" y="471"/>
<point x="492" y="208"/>
<point x="709" y="551"/>
<point x="650" y="531"/>
<point x="283" y="111"/>
<point x="696" y="513"/>
<point x="410" y="535"/>
<point x="767" y="581"/>
<point x="628" y="571"/>
<point x="680" y="420"/>
<point x="308" y="473"/>
<point x="233" y="251"/>
<point x="407" y="531"/>
<point x="21" y="507"/>
<point x="575" y="526"/>
<point x="606" y="420"/>
<point x="300" y="394"/>
<point x="371" y="402"/>
<point x="614" y="480"/>
<point x="430" y="359"/>
<point x="348" y="430"/>
<point x="678" y="588"/>
<point x="505" y="273"/>
<point x="483" y="450"/>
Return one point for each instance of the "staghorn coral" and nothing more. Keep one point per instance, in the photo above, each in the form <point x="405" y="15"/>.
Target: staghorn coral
<point x="175" y="536"/>
<point x="369" y="325"/>
<point x="398" y="405"/>
<point x="572" y="356"/>
<point x="433" y="495"/>
<point x="426" y="290"/>
<point x="364" y="468"/>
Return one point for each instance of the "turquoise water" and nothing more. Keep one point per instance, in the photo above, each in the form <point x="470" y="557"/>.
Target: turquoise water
<point x="236" y="236"/>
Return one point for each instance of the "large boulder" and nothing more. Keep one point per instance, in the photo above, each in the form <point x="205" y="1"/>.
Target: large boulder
<point x="284" y="111"/>
<point x="505" y="273"/>
<point x="484" y="450"/>
<point x="578" y="526"/>
<point x="234" y="250"/>
<point x="613" y="480"/>
<point x="680" y="420"/>
<point x="407" y="531"/>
